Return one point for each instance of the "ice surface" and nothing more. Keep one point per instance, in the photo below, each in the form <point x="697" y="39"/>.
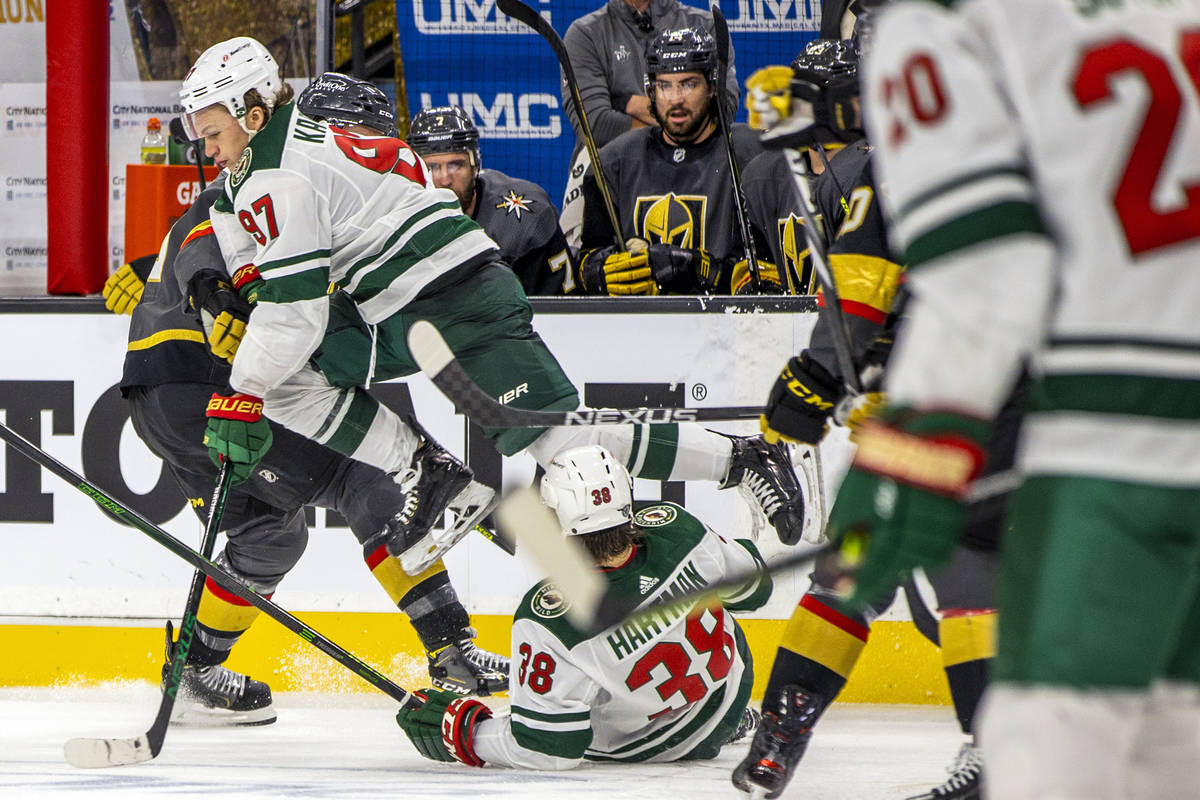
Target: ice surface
<point x="348" y="746"/>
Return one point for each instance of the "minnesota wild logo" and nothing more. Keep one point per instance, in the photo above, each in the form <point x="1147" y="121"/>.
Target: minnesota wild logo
<point x="241" y="167"/>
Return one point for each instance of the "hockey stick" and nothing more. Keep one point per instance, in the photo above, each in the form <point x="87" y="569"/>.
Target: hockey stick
<point x="735" y="172"/>
<point x="524" y="14"/>
<point x="435" y="359"/>
<point x="591" y="604"/>
<point x="219" y="575"/>
<point x="91" y="753"/>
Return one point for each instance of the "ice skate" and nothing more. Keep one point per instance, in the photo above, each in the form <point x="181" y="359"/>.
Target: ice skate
<point x="462" y="666"/>
<point x="778" y="744"/>
<point x="966" y="778"/>
<point x="434" y="483"/>
<point x="747" y="725"/>
<point x="216" y="695"/>
<point x="764" y="474"/>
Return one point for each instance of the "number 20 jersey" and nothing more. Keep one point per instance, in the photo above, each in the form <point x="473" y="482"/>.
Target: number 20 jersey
<point x="1041" y="163"/>
<point x="662" y="689"/>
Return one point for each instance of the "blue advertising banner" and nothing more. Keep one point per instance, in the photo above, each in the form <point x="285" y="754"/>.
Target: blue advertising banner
<point x="466" y="53"/>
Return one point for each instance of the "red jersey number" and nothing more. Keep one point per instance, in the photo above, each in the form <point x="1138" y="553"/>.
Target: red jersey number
<point x="382" y="155"/>
<point x="717" y="643"/>
<point x="537" y="669"/>
<point x="263" y="208"/>
<point x="1145" y="227"/>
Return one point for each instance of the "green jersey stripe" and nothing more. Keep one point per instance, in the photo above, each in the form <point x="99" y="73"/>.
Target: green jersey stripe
<point x="660" y="454"/>
<point x="308" y="285"/>
<point x="994" y="222"/>
<point x="562" y="744"/>
<point x="399" y="233"/>
<point x="656" y="743"/>
<point x="542" y="716"/>
<point x="267" y="266"/>
<point x="435" y="237"/>
<point x="353" y="427"/>
<point x="1140" y="395"/>
<point x="940" y="191"/>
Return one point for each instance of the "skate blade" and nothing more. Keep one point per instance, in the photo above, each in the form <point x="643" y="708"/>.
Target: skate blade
<point x="806" y="461"/>
<point x="467" y="508"/>
<point x="194" y="715"/>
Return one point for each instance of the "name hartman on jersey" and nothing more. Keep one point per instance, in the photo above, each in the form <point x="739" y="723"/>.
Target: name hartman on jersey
<point x="627" y="638"/>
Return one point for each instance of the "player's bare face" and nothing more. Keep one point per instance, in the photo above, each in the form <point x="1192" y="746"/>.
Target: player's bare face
<point x="682" y="100"/>
<point x="453" y="171"/>
<point x="224" y="139"/>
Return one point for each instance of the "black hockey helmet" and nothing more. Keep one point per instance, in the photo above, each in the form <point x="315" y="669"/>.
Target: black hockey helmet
<point x="825" y="75"/>
<point x="682" y="50"/>
<point x="446" y="129"/>
<point x="341" y="100"/>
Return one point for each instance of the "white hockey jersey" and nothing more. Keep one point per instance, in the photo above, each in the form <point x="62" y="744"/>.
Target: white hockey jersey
<point x="670" y="688"/>
<point x="309" y="210"/>
<point x="1040" y="160"/>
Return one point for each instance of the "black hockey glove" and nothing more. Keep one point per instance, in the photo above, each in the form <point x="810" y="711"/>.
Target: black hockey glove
<point x="660" y="268"/>
<point x="222" y="311"/>
<point x="800" y="403"/>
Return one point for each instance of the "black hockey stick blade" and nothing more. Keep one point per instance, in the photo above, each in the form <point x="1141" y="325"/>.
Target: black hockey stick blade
<point x="435" y="359"/>
<point x="220" y="575"/>
<point x="91" y="753"/>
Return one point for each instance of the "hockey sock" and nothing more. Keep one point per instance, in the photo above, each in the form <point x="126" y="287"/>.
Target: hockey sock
<point x="820" y="647"/>
<point x="221" y="619"/>
<point x="968" y="638"/>
<point x="428" y="599"/>
<point x="657" y="452"/>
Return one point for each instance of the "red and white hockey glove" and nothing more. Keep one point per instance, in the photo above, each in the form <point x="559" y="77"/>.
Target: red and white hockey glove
<point x="237" y="431"/>
<point x="902" y="505"/>
<point x="458" y="729"/>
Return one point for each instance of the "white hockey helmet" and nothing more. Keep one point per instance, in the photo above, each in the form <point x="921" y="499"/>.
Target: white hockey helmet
<point x="588" y="489"/>
<point x="223" y="74"/>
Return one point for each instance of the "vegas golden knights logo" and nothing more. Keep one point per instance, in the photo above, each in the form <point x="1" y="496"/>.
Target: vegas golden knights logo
<point x="676" y="219"/>
<point x="797" y="259"/>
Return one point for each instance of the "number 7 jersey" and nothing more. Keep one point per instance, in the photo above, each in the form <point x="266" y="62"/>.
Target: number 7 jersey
<point x="1040" y="162"/>
<point x="664" y="688"/>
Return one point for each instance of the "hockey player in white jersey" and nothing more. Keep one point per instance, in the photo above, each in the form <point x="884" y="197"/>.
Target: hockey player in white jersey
<point x="1040" y="165"/>
<point x="666" y="688"/>
<point x="324" y="229"/>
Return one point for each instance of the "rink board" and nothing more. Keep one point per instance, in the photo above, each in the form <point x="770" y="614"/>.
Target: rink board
<point x="65" y="562"/>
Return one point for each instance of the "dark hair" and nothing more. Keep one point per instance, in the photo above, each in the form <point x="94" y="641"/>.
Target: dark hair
<point x="611" y="542"/>
<point x="253" y="99"/>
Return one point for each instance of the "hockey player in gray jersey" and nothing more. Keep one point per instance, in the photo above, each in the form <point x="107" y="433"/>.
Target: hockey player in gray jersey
<point x="670" y="186"/>
<point x="669" y="687"/>
<point x="341" y="243"/>
<point x="517" y="214"/>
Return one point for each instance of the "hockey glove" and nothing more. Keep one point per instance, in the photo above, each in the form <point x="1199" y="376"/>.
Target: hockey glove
<point x="123" y="290"/>
<point x="237" y="431"/>
<point x="742" y="279"/>
<point x="423" y="725"/>
<point x="660" y="268"/>
<point x="800" y="402"/>
<point x="443" y="729"/>
<point x="769" y="96"/>
<point x="222" y="311"/>
<point x="901" y="504"/>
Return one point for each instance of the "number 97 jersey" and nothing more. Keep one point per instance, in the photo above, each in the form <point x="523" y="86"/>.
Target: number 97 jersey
<point x="661" y="688"/>
<point x="1040" y="163"/>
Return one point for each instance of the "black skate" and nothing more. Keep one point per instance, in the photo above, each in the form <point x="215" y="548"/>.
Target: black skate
<point x="461" y="666"/>
<point x="778" y="745"/>
<point x="747" y="725"/>
<point x="966" y="778"/>
<point x="215" y="695"/>
<point x="434" y="483"/>
<point x="765" y="474"/>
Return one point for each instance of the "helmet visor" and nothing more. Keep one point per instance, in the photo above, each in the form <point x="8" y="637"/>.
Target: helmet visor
<point x="207" y="121"/>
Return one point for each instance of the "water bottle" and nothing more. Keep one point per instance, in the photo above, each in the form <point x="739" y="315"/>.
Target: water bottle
<point x="154" y="144"/>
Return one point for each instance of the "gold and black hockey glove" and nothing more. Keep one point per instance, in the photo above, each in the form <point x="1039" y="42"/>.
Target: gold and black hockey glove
<point x="123" y="289"/>
<point x="742" y="281"/>
<point x="658" y="269"/>
<point x="801" y="402"/>
<point x="222" y="311"/>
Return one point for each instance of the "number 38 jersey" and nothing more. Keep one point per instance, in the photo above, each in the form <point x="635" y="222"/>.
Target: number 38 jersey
<point x="1041" y="163"/>
<point x="309" y="210"/>
<point x="663" y="688"/>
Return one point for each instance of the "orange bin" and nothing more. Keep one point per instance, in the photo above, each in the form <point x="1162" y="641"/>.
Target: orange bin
<point x="155" y="196"/>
